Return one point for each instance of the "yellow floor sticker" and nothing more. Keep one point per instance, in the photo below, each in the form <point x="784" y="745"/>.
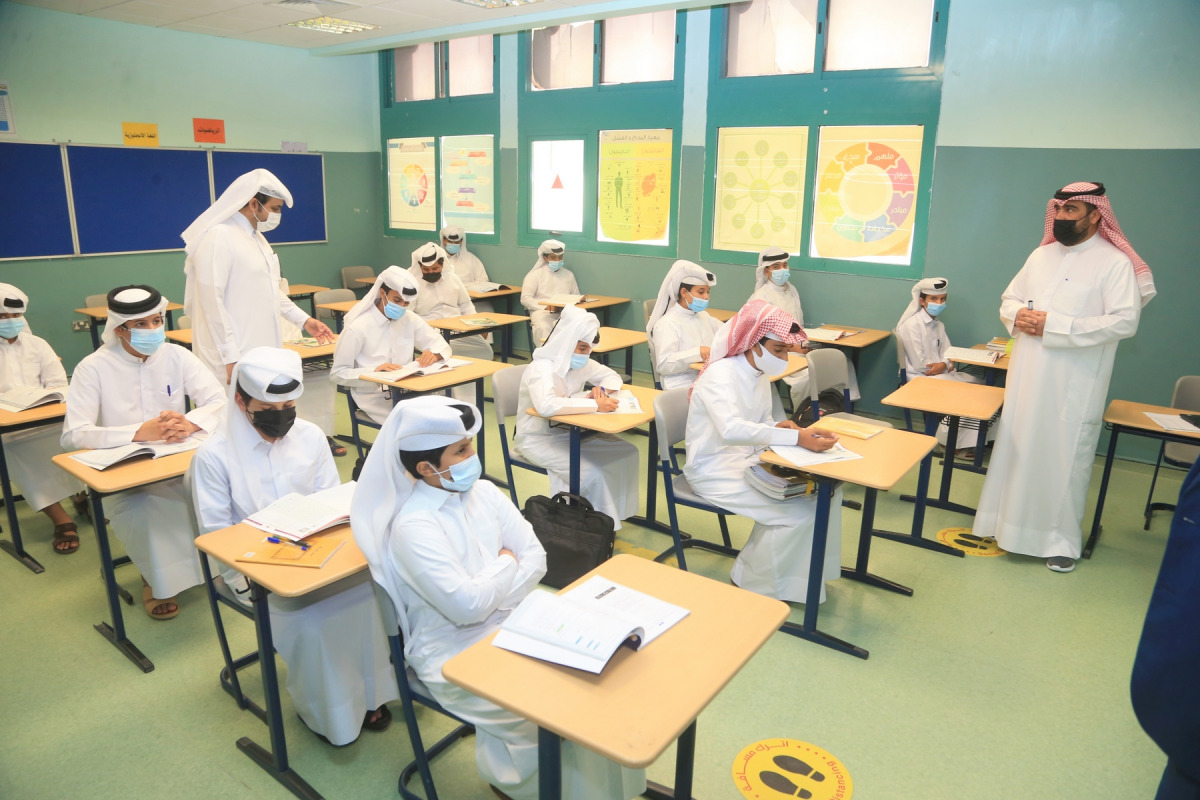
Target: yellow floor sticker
<point x="969" y="543"/>
<point x="776" y="768"/>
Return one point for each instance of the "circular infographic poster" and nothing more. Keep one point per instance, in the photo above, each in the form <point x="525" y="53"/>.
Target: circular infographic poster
<point x="777" y="768"/>
<point x="414" y="185"/>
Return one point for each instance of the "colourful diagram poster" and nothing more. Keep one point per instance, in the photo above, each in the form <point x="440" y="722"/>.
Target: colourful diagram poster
<point x="760" y="180"/>
<point x="634" y="203"/>
<point x="412" y="201"/>
<point x="468" y="187"/>
<point x="866" y="195"/>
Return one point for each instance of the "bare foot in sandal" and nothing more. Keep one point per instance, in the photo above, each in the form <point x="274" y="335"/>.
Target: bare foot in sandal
<point x="155" y="608"/>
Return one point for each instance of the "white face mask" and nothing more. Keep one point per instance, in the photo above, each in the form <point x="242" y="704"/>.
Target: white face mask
<point x="768" y="362"/>
<point x="270" y="223"/>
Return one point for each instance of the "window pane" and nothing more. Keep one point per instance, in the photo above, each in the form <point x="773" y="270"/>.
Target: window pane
<point x="468" y="183"/>
<point x="411" y="175"/>
<point x="471" y="65"/>
<point x="634" y="202"/>
<point x="561" y="57"/>
<point x="556" y="186"/>
<point x="638" y="48"/>
<point x="878" y="34"/>
<point x="416" y="72"/>
<point x="866" y="193"/>
<point x="771" y="37"/>
<point x="760" y="181"/>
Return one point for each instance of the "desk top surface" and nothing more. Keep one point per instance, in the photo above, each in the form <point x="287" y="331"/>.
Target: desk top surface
<point x="596" y="301"/>
<point x="457" y="324"/>
<point x="643" y="700"/>
<point x="1129" y="414"/>
<point x="721" y="314"/>
<point x="478" y="368"/>
<point x="612" y="423"/>
<point x="1001" y="362"/>
<point x="862" y="337"/>
<point x="886" y="458"/>
<point x="796" y="362"/>
<point x="184" y="336"/>
<point x="956" y="398"/>
<point x="128" y="474"/>
<point x="299" y="289"/>
<point x="497" y="293"/>
<point x="101" y="312"/>
<point x="50" y="412"/>
<point x="227" y="544"/>
<point x="618" y="339"/>
<point x="340" y="307"/>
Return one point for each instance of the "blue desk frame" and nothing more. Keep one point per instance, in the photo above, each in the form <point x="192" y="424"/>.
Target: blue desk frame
<point x="16" y="548"/>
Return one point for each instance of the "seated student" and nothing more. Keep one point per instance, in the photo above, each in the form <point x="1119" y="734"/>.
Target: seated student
<point x="925" y="344"/>
<point x="456" y="557"/>
<point x="553" y="384"/>
<point x="680" y="330"/>
<point x="549" y="277"/>
<point x="441" y="294"/>
<point x="774" y="287"/>
<point x="381" y="335"/>
<point x="338" y="672"/>
<point x="133" y="389"/>
<point x="730" y="420"/>
<point x="27" y="360"/>
<point x="464" y="264"/>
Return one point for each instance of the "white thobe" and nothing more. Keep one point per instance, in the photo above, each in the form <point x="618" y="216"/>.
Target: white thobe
<point x="608" y="466"/>
<point x="729" y="423"/>
<point x="112" y="393"/>
<point x="373" y="339"/>
<point x="677" y="338"/>
<point x="926" y="342"/>
<point x="332" y="640"/>
<point x="29" y="361"/>
<point x="787" y="298"/>
<point x="473" y="274"/>
<point x="448" y="298"/>
<point x="457" y="589"/>
<point x="539" y="285"/>
<point x="1057" y="384"/>
<point x="233" y="296"/>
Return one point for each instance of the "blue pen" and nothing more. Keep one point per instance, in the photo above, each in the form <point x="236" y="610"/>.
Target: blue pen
<point x="278" y="540"/>
<point x="168" y="390"/>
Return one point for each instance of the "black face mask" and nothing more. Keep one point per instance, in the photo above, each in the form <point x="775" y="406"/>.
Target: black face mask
<point x="1066" y="232"/>
<point x="274" y="422"/>
<point x="432" y="277"/>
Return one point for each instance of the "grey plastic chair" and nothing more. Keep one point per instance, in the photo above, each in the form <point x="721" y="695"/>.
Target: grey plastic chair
<point x="902" y="363"/>
<point x="350" y="276"/>
<point x="506" y="389"/>
<point x="95" y="301"/>
<point x="183" y="323"/>
<point x="1186" y="396"/>
<point x="827" y="370"/>
<point x="331" y="296"/>
<point x="648" y="309"/>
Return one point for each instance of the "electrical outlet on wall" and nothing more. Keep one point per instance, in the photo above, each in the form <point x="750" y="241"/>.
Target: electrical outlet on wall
<point x="81" y="324"/>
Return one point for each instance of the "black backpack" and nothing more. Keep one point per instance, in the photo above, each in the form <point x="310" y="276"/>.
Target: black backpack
<point x="576" y="537"/>
<point x="831" y="401"/>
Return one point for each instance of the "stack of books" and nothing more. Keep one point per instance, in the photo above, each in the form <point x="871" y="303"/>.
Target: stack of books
<point x="999" y="343"/>
<point x="780" y="483"/>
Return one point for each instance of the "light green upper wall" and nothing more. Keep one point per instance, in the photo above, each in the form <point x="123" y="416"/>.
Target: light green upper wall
<point x="1072" y="74"/>
<point x="78" y="78"/>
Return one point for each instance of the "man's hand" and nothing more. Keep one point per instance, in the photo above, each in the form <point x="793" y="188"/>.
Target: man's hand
<point x="319" y="330"/>
<point x="151" y="431"/>
<point x="175" y="426"/>
<point x="1031" y="323"/>
<point x="229" y="372"/>
<point x="599" y="392"/>
<point x="504" y="551"/>
<point x="704" y="351"/>
<point x="388" y="366"/>
<point x="787" y="423"/>
<point x="427" y="358"/>
<point x="936" y="368"/>
<point x="817" y="441"/>
<point x="606" y="403"/>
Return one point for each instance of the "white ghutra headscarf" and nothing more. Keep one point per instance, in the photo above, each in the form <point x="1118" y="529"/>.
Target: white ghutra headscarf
<point x="574" y="326"/>
<point x="681" y="272"/>
<point x="396" y="279"/>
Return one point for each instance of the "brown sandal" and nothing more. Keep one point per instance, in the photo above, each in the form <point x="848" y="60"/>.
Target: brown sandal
<point x="149" y="602"/>
<point x="65" y="534"/>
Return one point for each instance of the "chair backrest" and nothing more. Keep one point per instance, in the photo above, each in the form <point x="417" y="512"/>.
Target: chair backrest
<point x="506" y="388"/>
<point x="95" y="301"/>
<point x="1187" y="397"/>
<point x="826" y="370"/>
<point x="184" y="322"/>
<point x="648" y="309"/>
<point x="670" y="419"/>
<point x="901" y="356"/>
<point x="331" y="296"/>
<point x="350" y="276"/>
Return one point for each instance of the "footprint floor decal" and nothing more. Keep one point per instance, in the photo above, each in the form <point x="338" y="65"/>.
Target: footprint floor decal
<point x="969" y="543"/>
<point x="779" y="768"/>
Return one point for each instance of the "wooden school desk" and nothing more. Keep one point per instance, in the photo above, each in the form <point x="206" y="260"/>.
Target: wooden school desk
<point x="955" y="399"/>
<point x="119" y="478"/>
<point x="301" y="291"/>
<point x="721" y="315"/>
<point x="856" y="342"/>
<point x="98" y="315"/>
<point x="990" y="371"/>
<point x="499" y="294"/>
<point x="307" y="354"/>
<point x="886" y="458"/>
<point x="11" y="422"/>
<point x="597" y="302"/>
<point x="340" y="309"/>
<point x="796" y="362"/>
<point x="612" y="339"/>
<point x="642" y="701"/>
<point x="455" y="327"/>
<point x="1124" y="416"/>
<point x="226" y="545"/>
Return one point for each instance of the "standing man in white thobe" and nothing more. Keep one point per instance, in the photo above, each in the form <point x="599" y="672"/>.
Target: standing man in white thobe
<point x="338" y="673"/>
<point x="680" y="329"/>
<point x="1079" y="293"/>
<point x="133" y="389"/>
<point x="549" y="277"/>
<point x="232" y="291"/>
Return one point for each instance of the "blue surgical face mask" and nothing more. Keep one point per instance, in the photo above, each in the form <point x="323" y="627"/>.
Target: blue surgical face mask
<point x="780" y="276"/>
<point x="462" y="475"/>
<point x="394" y="310"/>
<point x="147" y="340"/>
<point x="579" y="360"/>
<point x="698" y="304"/>
<point x="453" y="249"/>
<point x="935" y="308"/>
<point x="555" y="266"/>
<point x="9" y="328"/>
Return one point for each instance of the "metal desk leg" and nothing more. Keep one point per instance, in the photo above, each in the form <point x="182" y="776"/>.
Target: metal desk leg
<point x="274" y="762"/>
<point x="576" y="445"/>
<point x="1108" y="462"/>
<point x="506" y="337"/>
<point x="919" y="503"/>
<point x="816" y="577"/>
<point x="15" y="548"/>
<point x="339" y="320"/>
<point x="685" y="757"/>
<point x="481" y="439"/>
<point x="312" y="302"/>
<point x="92" y="323"/>
<point x="859" y="573"/>
<point x="549" y="765"/>
<point x="170" y="320"/>
<point x="943" y="500"/>
<point x="650" y="521"/>
<point x="116" y="632"/>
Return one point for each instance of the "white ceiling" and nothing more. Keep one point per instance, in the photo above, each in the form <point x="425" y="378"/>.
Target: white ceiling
<point x="258" y="21"/>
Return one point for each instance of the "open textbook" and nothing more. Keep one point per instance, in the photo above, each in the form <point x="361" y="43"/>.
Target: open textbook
<point x="564" y="300"/>
<point x="627" y="402"/>
<point x="583" y="627"/>
<point x="413" y="369"/>
<point x="827" y="334"/>
<point x="20" y="398"/>
<point x="295" y="516"/>
<point x="970" y="356"/>
<point x="105" y="458"/>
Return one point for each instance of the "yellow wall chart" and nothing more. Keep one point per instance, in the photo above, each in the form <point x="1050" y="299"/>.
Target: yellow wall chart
<point x="760" y="178"/>
<point x="635" y="186"/>
<point x="867" y="192"/>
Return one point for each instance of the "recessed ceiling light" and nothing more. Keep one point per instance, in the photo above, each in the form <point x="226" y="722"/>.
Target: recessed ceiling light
<point x="332" y="25"/>
<point x="497" y="3"/>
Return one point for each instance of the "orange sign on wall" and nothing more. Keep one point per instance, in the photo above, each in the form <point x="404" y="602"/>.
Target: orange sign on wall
<point x="209" y="130"/>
